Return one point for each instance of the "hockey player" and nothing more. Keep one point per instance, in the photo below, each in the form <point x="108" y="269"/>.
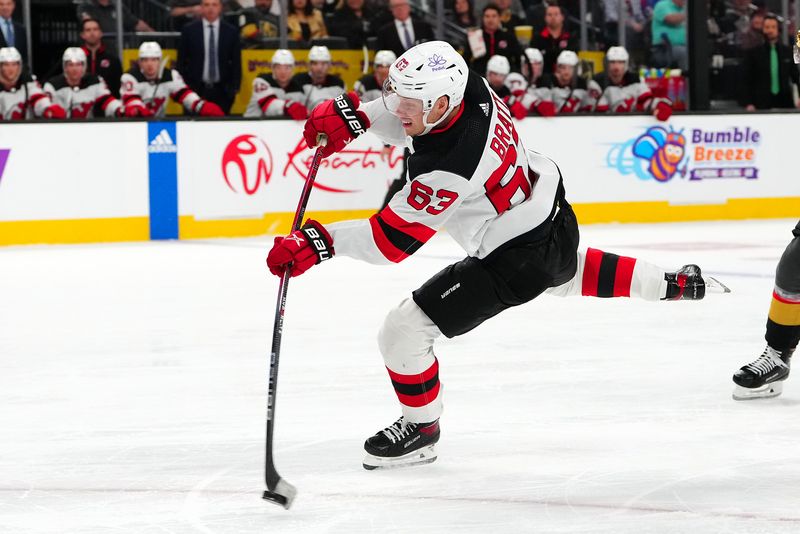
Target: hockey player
<point x="146" y="87"/>
<point x="277" y="94"/>
<point x="82" y="95"/>
<point x="497" y="71"/>
<point x="505" y="205"/>
<point x="318" y="86"/>
<point x="21" y="97"/>
<point x="526" y="95"/>
<point x="369" y="87"/>
<point x="764" y="377"/>
<point x="570" y="92"/>
<point x="623" y="92"/>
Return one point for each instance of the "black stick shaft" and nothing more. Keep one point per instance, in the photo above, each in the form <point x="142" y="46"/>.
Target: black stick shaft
<point x="271" y="475"/>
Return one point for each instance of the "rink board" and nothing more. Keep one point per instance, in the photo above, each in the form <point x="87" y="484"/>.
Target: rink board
<point x="93" y="182"/>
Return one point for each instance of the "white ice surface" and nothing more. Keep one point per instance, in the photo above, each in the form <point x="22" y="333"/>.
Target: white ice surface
<point x="133" y="391"/>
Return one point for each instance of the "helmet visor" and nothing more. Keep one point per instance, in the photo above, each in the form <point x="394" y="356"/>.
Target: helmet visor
<point x="400" y="105"/>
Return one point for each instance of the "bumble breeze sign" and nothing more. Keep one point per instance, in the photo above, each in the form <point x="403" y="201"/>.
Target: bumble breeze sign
<point x="249" y="168"/>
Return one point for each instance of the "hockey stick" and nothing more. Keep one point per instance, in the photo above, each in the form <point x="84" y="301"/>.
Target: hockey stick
<point x="278" y="490"/>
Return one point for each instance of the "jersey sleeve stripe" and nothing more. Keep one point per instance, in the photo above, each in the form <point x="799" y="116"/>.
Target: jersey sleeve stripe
<point x="36" y="97"/>
<point x="181" y="94"/>
<point x="389" y="250"/>
<point x="418" y="231"/>
<point x="264" y="102"/>
<point x="104" y="101"/>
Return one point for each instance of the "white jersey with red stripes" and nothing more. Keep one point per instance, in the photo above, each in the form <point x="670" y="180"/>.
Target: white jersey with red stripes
<point x="137" y="89"/>
<point x="25" y="100"/>
<point x="629" y="95"/>
<point x="473" y="176"/>
<point x="269" y="99"/>
<point x="89" y="98"/>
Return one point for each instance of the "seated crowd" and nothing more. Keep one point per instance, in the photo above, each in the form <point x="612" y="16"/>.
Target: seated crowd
<point x="543" y="79"/>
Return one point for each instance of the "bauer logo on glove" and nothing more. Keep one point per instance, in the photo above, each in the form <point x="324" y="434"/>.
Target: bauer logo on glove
<point x="346" y="110"/>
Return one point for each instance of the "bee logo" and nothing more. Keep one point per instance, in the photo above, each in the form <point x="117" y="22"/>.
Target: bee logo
<point x="664" y="150"/>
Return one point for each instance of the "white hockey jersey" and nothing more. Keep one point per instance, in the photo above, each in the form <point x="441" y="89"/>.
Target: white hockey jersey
<point x="90" y="98"/>
<point x="631" y="95"/>
<point x="367" y="88"/>
<point x="136" y="89"/>
<point x="314" y="95"/>
<point x="474" y="175"/>
<point x="582" y="95"/>
<point x="529" y="96"/>
<point x="269" y="99"/>
<point x="25" y="100"/>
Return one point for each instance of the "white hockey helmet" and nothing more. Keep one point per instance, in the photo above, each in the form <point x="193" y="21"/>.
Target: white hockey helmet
<point x="319" y="53"/>
<point x="617" y="53"/>
<point x="283" y="56"/>
<point x="534" y="55"/>
<point x="74" y="54"/>
<point x="426" y="72"/>
<point x="516" y="82"/>
<point x="150" y="49"/>
<point x="567" y="57"/>
<point x="384" y="58"/>
<point x="10" y="54"/>
<point x="498" y="65"/>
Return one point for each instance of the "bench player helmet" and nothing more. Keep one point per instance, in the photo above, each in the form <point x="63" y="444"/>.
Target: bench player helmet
<point x="617" y="53"/>
<point x="150" y="49"/>
<point x="319" y="53"/>
<point x="567" y="57"/>
<point x="425" y="73"/>
<point x="283" y="56"/>
<point x="10" y="54"/>
<point x="384" y="58"/>
<point x="498" y="65"/>
<point x="73" y="54"/>
<point x="534" y="55"/>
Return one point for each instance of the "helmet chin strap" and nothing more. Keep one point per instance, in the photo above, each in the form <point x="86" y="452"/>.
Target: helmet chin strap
<point x="431" y="126"/>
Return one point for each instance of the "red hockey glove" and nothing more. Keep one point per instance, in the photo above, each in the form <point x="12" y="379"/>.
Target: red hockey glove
<point x="133" y="110"/>
<point x="546" y="108"/>
<point x="210" y="109"/>
<point x="295" y="111"/>
<point x="339" y="119"/>
<point x="54" y="111"/>
<point x="663" y="111"/>
<point x="303" y="248"/>
<point x="518" y="110"/>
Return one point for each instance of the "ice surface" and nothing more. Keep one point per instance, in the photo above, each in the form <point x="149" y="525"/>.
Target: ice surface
<point x="133" y="392"/>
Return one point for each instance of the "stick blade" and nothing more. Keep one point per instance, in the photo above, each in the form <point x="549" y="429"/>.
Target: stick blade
<point x="283" y="494"/>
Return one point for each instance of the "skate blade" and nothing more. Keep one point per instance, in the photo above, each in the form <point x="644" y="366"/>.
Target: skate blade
<point x="715" y="286"/>
<point x="766" y="391"/>
<point x="425" y="455"/>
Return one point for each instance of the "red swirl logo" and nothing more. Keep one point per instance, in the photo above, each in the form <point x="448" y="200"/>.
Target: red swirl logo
<point x="246" y="160"/>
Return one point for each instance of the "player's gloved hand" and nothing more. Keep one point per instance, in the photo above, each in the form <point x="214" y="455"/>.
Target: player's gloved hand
<point x="546" y="108"/>
<point x="663" y="111"/>
<point x="296" y="110"/>
<point x="303" y="249"/>
<point x="518" y="110"/>
<point x="209" y="109"/>
<point x="339" y="119"/>
<point x="136" y="111"/>
<point x="54" y="111"/>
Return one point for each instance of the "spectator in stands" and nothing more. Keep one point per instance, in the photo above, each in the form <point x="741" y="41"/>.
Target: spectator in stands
<point x="100" y="60"/>
<point x="352" y="21"/>
<point x="370" y="86"/>
<point x="463" y="15"/>
<point x="498" y="41"/>
<point x="258" y="22"/>
<point x="277" y="94"/>
<point x="517" y="6"/>
<point x="554" y="38"/>
<point x="304" y="21"/>
<point x="81" y="94"/>
<point x="21" y="97"/>
<point x="12" y="34"/>
<point x="669" y="34"/>
<point x="570" y="93"/>
<point x="769" y="72"/>
<point x="635" y="21"/>
<point x="624" y="92"/>
<point x="508" y="18"/>
<point x="318" y="85"/>
<point x="754" y="35"/>
<point x="105" y="12"/>
<point x="210" y="56"/>
<point x="404" y="31"/>
<point x="327" y="7"/>
<point x="182" y="12"/>
<point x="148" y="85"/>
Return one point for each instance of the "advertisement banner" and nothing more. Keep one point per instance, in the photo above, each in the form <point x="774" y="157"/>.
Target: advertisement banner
<point x="162" y="148"/>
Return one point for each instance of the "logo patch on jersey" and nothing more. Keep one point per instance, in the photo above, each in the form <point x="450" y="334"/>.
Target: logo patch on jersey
<point x="162" y="143"/>
<point x="485" y="108"/>
<point x="4" y="152"/>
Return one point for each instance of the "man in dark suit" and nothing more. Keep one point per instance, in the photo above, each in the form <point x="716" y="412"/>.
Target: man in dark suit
<point x="403" y="32"/>
<point x="210" y="56"/>
<point x="12" y="33"/>
<point x="769" y="71"/>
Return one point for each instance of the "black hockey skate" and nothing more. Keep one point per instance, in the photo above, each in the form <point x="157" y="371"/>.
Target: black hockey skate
<point x="688" y="284"/>
<point x="764" y="377"/>
<point x="401" y="445"/>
